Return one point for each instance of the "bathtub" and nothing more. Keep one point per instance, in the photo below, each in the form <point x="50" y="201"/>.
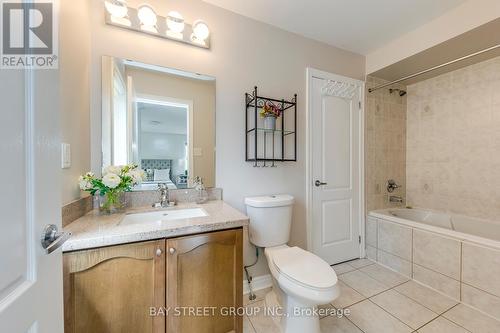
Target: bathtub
<point x="454" y="225"/>
<point x="458" y="256"/>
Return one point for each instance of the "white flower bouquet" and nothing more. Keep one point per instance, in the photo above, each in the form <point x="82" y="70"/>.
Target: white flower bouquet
<point x="115" y="181"/>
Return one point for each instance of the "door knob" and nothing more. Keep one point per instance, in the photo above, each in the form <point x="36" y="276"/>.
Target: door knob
<point x="159" y="252"/>
<point x="52" y="239"/>
<point x="318" y="183"/>
<point x="171" y="250"/>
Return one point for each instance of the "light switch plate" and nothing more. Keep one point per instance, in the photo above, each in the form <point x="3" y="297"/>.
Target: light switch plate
<point x="65" y="155"/>
<point x="197" y="151"/>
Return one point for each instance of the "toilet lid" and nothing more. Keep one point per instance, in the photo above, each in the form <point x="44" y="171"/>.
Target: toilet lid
<point x="304" y="267"/>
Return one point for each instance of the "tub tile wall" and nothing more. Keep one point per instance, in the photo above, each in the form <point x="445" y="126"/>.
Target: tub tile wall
<point x="481" y="300"/>
<point x="385" y="144"/>
<point x="453" y="138"/>
<point x="440" y="254"/>
<point x="465" y="271"/>
<point x="398" y="264"/>
<point x="435" y="280"/>
<point x="481" y="268"/>
<point x="395" y="239"/>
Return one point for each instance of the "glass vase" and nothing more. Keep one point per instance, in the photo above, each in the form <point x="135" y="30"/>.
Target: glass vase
<point x="111" y="202"/>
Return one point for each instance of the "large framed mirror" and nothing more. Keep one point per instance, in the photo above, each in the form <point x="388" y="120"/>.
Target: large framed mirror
<point x="161" y="119"/>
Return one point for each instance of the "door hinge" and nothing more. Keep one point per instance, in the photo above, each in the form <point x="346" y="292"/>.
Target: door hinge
<point x="359" y="105"/>
<point x="359" y="239"/>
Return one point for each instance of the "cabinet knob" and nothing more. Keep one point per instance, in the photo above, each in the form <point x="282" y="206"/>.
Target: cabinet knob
<point x="159" y="252"/>
<point x="172" y="250"/>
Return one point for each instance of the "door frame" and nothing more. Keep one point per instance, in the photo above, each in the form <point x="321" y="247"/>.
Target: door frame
<point x="310" y="74"/>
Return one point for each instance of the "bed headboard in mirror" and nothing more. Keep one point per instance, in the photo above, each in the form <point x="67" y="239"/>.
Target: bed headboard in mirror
<point x="159" y="118"/>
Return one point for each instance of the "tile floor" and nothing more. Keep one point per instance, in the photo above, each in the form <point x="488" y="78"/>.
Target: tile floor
<point x="383" y="301"/>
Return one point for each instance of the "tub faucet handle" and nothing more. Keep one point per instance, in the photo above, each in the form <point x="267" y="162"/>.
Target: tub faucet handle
<point x="392" y="185"/>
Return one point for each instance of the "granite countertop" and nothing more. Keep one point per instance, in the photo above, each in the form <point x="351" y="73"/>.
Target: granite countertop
<point x="95" y="230"/>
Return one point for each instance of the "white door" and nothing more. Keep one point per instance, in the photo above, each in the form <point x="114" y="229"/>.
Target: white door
<point x="335" y="164"/>
<point x="31" y="290"/>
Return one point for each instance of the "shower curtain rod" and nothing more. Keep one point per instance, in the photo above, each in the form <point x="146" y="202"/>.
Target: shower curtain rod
<point x="434" y="68"/>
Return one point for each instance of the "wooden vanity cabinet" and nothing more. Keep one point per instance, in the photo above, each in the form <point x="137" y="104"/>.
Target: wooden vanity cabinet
<point x="112" y="289"/>
<point x="205" y="271"/>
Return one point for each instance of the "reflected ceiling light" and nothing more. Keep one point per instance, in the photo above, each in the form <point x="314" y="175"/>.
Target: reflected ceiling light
<point x="147" y="16"/>
<point x="116" y="8"/>
<point x="200" y="31"/>
<point x="175" y="22"/>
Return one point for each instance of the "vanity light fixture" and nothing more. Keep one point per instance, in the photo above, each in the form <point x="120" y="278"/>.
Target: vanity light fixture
<point x="200" y="32"/>
<point x="118" y="11"/>
<point x="175" y="24"/>
<point x="147" y="16"/>
<point x="144" y="19"/>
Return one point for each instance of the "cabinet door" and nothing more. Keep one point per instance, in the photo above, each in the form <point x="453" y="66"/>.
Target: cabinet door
<point x="205" y="271"/>
<point x="112" y="289"/>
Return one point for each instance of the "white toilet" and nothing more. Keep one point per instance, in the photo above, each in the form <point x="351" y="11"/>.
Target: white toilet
<point x="301" y="280"/>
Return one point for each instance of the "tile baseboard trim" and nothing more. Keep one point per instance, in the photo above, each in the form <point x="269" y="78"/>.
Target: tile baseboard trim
<point x="258" y="283"/>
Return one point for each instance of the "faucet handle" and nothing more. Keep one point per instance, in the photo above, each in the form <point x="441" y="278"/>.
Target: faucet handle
<point x="392" y="185"/>
<point x="162" y="186"/>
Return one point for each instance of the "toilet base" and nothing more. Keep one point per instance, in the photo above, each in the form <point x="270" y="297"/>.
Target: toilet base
<point x="297" y="317"/>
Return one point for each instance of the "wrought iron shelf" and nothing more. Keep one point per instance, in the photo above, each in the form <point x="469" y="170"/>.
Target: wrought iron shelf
<point x="264" y="145"/>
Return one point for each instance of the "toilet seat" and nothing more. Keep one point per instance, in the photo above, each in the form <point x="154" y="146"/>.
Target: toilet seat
<point x="304" y="268"/>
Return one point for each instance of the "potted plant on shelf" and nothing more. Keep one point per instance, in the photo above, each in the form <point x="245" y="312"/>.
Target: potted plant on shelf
<point x="270" y="112"/>
<point x="115" y="181"/>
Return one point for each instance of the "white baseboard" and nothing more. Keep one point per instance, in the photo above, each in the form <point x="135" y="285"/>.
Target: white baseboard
<point x="258" y="283"/>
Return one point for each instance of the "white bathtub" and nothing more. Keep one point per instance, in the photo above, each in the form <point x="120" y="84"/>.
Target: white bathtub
<point x="458" y="226"/>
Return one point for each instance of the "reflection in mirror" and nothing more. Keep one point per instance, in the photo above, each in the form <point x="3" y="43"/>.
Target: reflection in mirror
<point x="161" y="119"/>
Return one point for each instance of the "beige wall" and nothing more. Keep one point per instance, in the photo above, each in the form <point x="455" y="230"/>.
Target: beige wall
<point x="385" y="149"/>
<point x="467" y="16"/>
<point x="74" y="63"/>
<point x="202" y="93"/>
<point x="244" y="53"/>
<point x="453" y="141"/>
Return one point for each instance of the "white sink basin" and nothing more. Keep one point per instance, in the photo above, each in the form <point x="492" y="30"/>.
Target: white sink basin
<point x="162" y="216"/>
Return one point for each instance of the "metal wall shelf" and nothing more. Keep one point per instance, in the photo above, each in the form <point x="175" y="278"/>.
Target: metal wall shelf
<point x="267" y="146"/>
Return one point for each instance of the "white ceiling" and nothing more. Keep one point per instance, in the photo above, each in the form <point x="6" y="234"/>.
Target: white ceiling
<point x="162" y="119"/>
<point x="360" y="26"/>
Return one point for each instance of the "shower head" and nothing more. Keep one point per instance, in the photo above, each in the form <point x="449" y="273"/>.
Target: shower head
<point x="401" y="92"/>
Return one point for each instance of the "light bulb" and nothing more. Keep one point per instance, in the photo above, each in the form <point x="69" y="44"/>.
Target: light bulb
<point x="175" y="22"/>
<point x="116" y="8"/>
<point x="147" y="16"/>
<point x="200" y="30"/>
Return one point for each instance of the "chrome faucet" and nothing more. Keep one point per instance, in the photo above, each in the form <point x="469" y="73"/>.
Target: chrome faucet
<point x="163" y="190"/>
<point x="395" y="198"/>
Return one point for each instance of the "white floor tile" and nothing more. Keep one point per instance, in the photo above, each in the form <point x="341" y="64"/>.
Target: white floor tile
<point x="472" y="320"/>
<point x="247" y="326"/>
<point x="362" y="283"/>
<point x="332" y="324"/>
<point x="261" y="322"/>
<point x="442" y="325"/>
<point x="405" y="309"/>
<point x="348" y="296"/>
<point x="358" y="263"/>
<point x="384" y="275"/>
<point x="343" y="268"/>
<point x="431" y="299"/>
<point x="372" y="319"/>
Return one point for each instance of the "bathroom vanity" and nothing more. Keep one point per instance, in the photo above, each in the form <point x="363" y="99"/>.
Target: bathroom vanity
<point x="178" y="274"/>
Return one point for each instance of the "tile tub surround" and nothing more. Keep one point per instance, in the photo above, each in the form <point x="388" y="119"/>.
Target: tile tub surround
<point x="385" y="137"/>
<point x="463" y="270"/>
<point x="95" y="230"/>
<point x="453" y="138"/>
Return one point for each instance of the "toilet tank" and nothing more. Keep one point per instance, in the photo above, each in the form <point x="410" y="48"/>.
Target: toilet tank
<point x="270" y="219"/>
